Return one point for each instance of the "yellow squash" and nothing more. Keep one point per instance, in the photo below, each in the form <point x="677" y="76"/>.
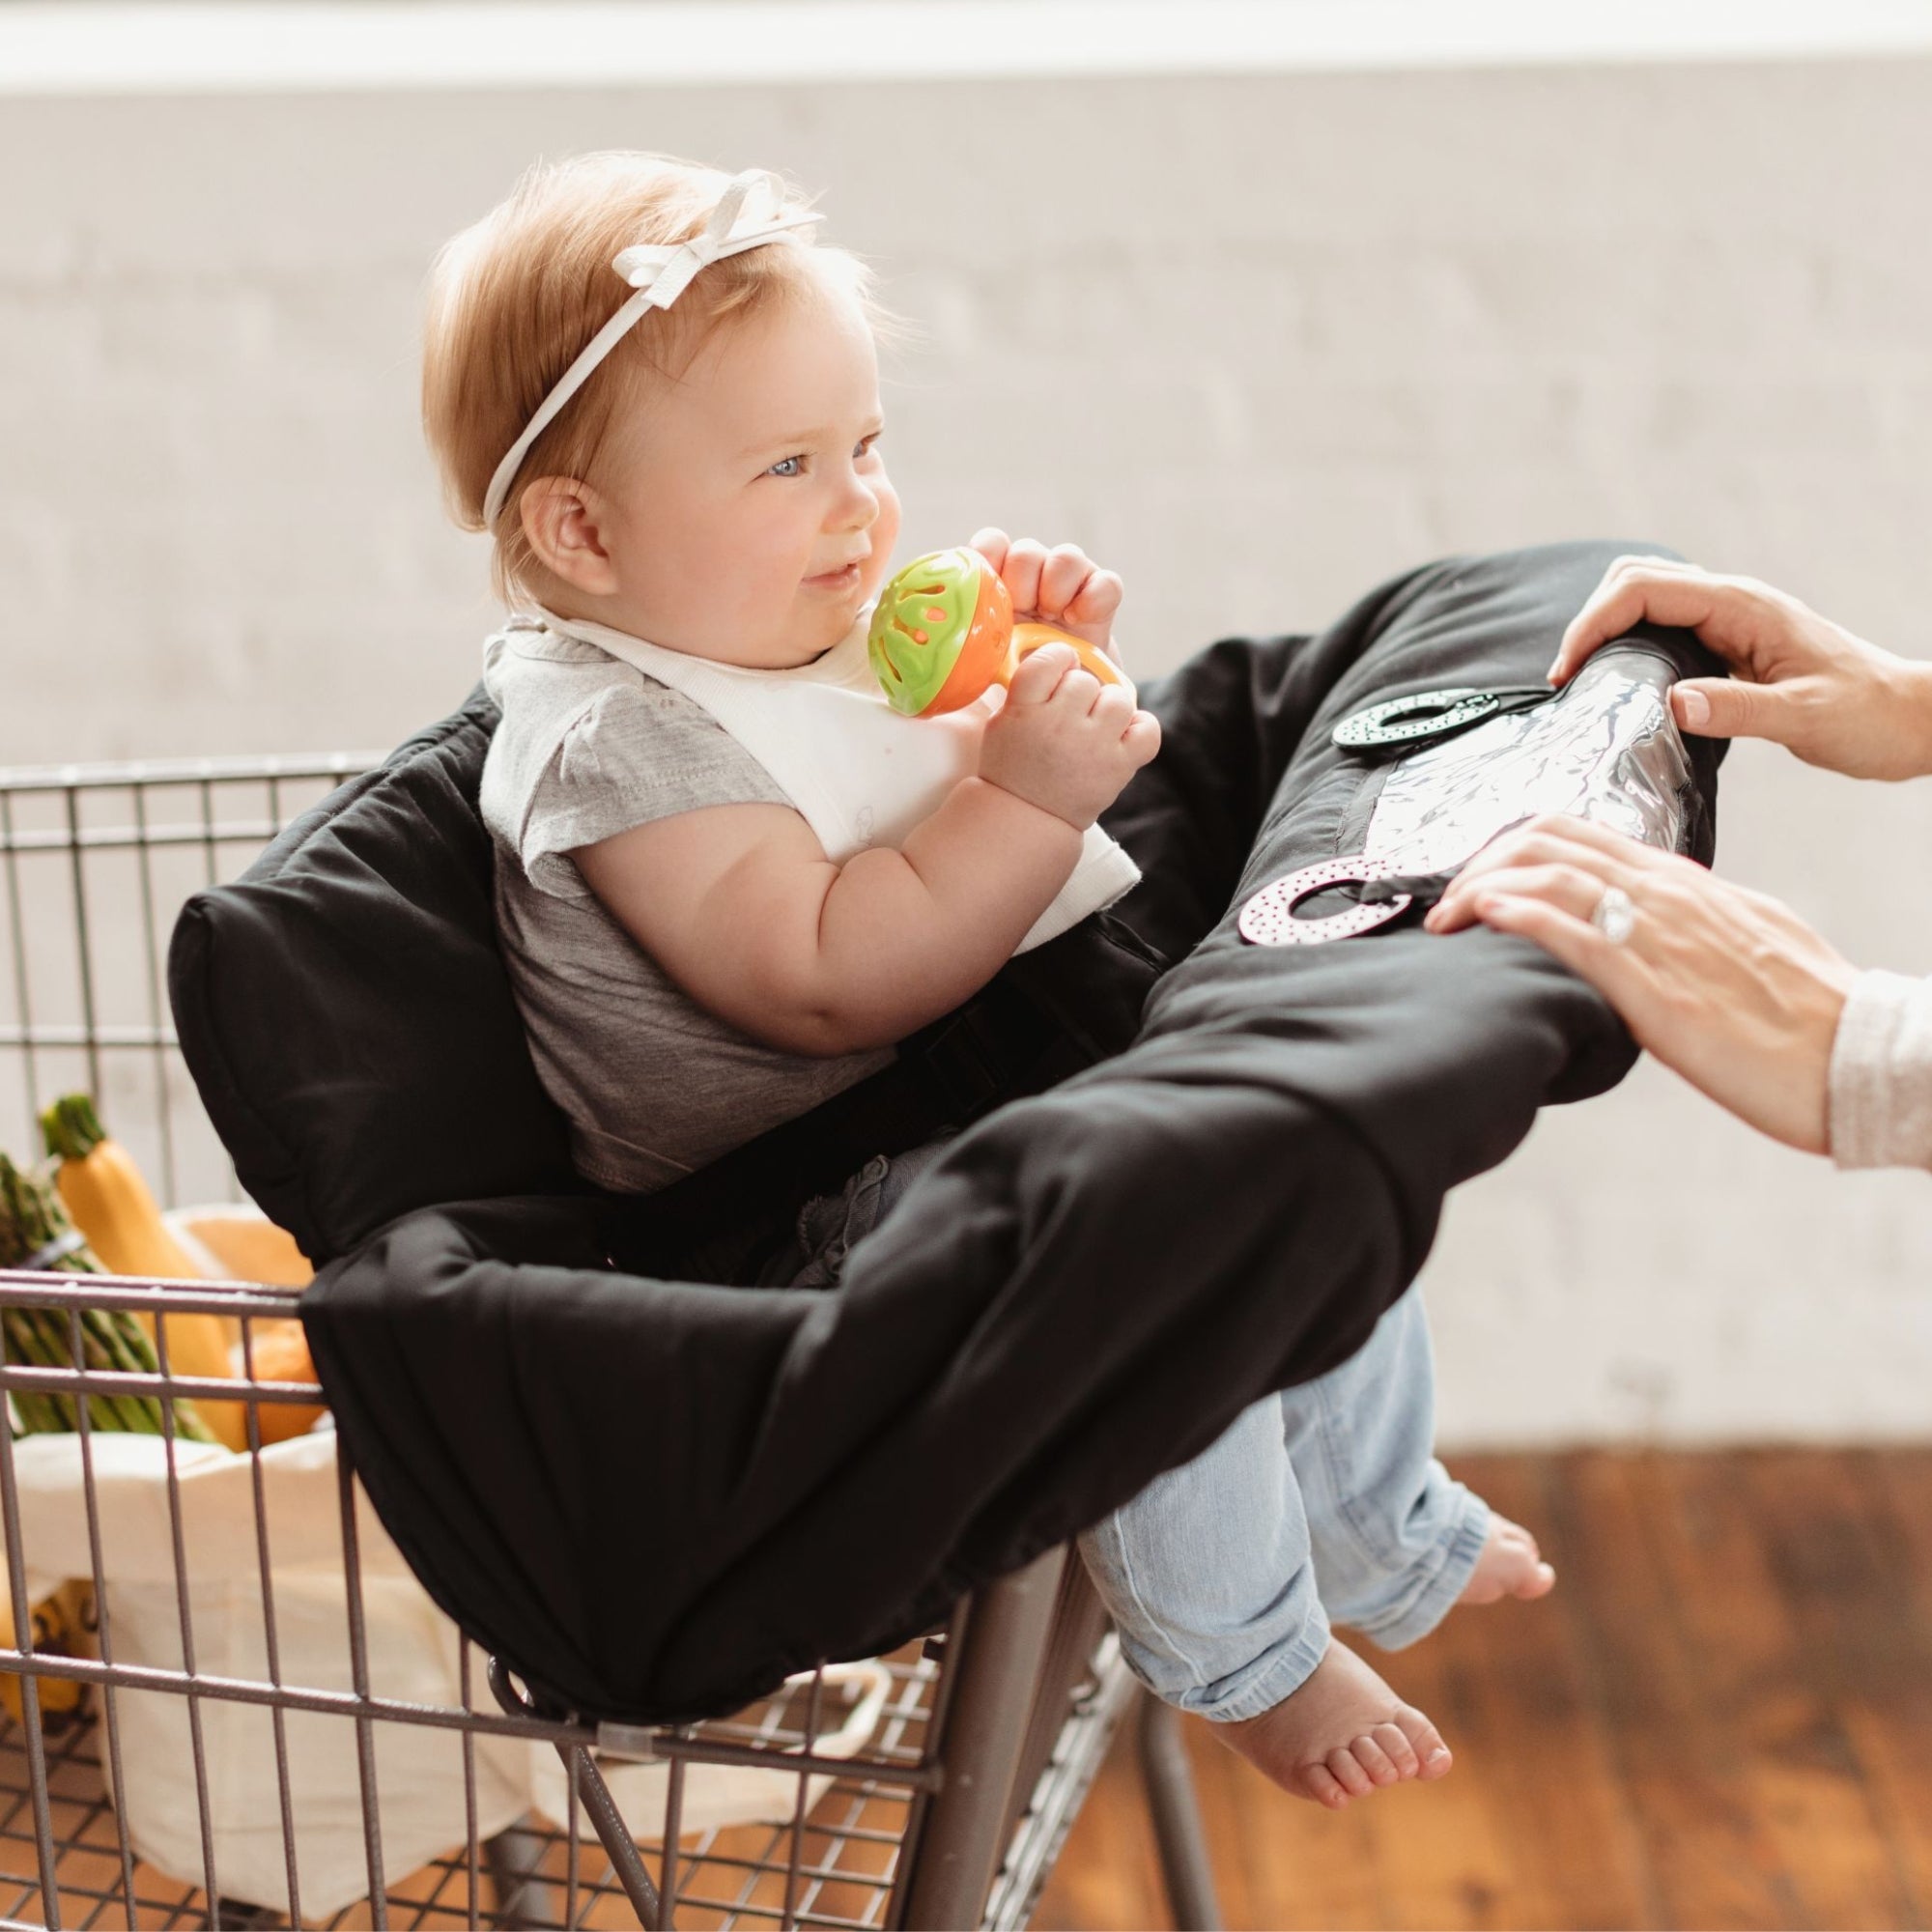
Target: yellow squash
<point x="112" y="1206"/>
<point x="58" y="1623"/>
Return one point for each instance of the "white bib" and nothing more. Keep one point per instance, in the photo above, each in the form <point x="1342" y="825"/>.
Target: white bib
<point x="859" y="773"/>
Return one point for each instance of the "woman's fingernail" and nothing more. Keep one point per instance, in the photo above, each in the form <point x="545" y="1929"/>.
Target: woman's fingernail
<point x="1695" y="707"/>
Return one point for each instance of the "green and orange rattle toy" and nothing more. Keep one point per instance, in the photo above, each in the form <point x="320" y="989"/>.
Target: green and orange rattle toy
<point x="944" y="632"/>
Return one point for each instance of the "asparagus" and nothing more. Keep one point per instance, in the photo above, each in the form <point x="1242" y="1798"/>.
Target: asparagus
<point x="31" y="1219"/>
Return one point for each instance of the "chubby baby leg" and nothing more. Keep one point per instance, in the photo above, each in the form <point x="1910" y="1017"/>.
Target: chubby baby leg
<point x="1397" y="1543"/>
<point x="1209" y="1578"/>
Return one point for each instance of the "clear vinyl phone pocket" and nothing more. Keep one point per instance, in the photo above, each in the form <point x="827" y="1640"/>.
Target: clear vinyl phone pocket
<point x="1606" y="749"/>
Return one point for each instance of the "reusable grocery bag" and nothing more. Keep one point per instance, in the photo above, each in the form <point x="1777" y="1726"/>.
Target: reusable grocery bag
<point x="412" y="1656"/>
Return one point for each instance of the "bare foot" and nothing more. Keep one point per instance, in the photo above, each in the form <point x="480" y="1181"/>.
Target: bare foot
<point x="1341" y="1735"/>
<point x="1510" y="1566"/>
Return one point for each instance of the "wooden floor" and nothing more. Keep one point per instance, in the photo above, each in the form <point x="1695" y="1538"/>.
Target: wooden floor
<point x="1721" y="1717"/>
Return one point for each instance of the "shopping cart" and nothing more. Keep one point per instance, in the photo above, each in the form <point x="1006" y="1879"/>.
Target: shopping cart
<point x="248" y="1707"/>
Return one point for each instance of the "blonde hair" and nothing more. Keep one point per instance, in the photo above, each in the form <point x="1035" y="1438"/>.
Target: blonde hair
<point x="514" y="300"/>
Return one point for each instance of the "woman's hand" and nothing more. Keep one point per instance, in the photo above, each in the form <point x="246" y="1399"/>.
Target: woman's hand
<point x="1800" y="680"/>
<point x="1060" y="587"/>
<point x="1728" y="987"/>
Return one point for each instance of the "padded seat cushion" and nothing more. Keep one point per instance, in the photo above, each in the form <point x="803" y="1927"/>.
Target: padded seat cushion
<point x="389" y="1070"/>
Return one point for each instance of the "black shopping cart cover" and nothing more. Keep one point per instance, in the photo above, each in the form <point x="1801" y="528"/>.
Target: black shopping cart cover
<point x="654" y="1497"/>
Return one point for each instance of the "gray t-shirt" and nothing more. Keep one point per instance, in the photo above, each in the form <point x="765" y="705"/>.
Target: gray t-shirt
<point x="653" y="1084"/>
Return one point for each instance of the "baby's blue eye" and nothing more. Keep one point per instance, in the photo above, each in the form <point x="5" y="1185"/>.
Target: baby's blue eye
<point x="788" y="465"/>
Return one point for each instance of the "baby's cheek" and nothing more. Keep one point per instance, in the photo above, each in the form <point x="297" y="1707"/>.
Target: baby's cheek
<point x="885" y="536"/>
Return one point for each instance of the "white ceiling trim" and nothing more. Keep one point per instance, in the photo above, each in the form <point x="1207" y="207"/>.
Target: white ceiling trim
<point x="75" y="47"/>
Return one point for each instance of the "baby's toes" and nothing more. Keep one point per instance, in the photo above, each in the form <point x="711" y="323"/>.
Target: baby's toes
<point x="1320" y="1785"/>
<point x="1432" y="1754"/>
<point x="1347" y="1774"/>
<point x="1373" y="1760"/>
<point x="1532" y="1555"/>
<point x="1530" y="1575"/>
<point x="1396" y="1748"/>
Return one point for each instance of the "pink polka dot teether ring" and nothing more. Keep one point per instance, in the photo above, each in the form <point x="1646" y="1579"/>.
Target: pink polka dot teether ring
<point x="1268" y="916"/>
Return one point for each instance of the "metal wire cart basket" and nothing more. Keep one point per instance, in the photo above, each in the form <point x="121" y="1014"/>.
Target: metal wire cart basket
<point x="227" y="1700"/>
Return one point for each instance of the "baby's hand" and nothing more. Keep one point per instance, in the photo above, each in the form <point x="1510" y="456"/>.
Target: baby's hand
<point x="1062" y="586"/>
<point x="1063" y="741"/>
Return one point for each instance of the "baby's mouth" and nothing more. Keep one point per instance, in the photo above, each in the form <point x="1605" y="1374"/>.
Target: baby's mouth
<point x="845" y="578"/>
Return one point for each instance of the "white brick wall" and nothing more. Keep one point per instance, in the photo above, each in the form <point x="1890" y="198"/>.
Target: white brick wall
<point x="1261" y="341"/>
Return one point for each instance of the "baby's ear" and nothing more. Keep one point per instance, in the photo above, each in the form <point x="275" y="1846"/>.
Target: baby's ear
<point x="561" y="518"/>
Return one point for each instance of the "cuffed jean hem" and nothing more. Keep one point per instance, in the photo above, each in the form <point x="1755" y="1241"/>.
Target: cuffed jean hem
<point x="1436" y="1588"/>
<point x="1281" y="1670"/>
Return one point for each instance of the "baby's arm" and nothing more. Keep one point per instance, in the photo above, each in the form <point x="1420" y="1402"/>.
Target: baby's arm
<point x="740" y="906"/>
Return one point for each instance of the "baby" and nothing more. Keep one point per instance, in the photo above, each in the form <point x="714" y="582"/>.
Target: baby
<point x="730" y="878"/>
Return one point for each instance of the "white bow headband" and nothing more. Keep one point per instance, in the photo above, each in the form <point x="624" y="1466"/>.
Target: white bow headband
<point x="660" y="274"/>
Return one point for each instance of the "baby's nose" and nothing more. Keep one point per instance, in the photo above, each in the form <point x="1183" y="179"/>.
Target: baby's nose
<point x="861" y="509"/>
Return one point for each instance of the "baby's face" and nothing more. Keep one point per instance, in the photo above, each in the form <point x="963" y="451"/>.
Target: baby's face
<point x="750" y="515"/>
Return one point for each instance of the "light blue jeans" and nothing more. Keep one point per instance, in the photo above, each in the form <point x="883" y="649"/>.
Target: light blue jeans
<point x="1320" y="1504"/>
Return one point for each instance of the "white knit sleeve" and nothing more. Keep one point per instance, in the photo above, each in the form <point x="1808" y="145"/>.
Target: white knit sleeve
<point x="1881" y="1083"/>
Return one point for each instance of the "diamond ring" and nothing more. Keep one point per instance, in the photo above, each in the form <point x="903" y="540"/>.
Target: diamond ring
<point x="1615" y="915"/>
